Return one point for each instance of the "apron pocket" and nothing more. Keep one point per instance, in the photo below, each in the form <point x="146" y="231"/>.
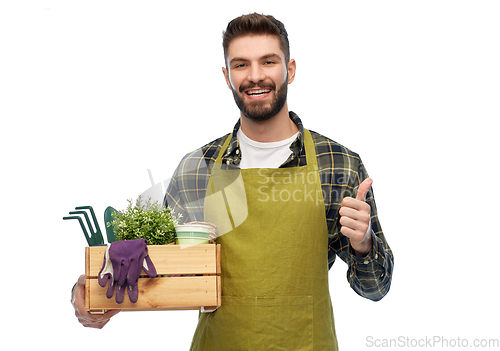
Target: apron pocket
<point x="265" y="323"/>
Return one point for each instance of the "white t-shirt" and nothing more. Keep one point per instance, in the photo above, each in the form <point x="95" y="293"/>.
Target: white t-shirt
<point x="255" y="154"/>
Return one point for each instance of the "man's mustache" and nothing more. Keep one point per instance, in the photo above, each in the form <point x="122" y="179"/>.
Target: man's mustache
<point x="262" y="86"/>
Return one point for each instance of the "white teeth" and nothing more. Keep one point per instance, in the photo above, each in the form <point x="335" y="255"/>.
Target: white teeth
<point x="257" y="92"/>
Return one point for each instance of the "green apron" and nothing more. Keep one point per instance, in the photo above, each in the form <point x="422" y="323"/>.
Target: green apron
<point x="274" y="246"/>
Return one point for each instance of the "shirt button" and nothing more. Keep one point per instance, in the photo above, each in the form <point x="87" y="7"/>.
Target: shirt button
<point x="366" y="262"/>
<point x="376" y="256"/>
<point x="237" y="151"/>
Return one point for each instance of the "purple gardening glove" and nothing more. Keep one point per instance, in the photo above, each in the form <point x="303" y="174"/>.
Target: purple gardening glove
<point x="122" y="265"/>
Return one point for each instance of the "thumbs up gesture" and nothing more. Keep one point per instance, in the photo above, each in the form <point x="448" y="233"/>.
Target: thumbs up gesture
<point x="355" y="219"/>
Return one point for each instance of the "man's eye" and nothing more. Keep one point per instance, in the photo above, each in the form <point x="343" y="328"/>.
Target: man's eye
<point x="269" y="62"/>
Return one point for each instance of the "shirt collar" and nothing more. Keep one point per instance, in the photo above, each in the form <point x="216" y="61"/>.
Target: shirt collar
<point x="232" y="155"/>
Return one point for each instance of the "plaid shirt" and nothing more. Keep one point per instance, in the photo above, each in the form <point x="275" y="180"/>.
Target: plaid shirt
<point x="341" y="171"/>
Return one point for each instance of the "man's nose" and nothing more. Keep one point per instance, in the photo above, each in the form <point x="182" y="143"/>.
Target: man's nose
<point x="256" y="73"/>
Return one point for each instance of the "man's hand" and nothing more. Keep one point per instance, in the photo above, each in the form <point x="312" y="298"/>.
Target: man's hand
<point x="84" y="317"/>
<point x="355" y="219"/>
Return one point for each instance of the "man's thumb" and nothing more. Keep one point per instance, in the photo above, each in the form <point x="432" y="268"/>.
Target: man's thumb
<point x="363" y="189"/>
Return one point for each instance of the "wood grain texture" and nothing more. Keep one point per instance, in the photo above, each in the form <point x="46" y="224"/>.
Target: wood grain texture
<point x="171" y="259"/>
<point x="163" y="292"/>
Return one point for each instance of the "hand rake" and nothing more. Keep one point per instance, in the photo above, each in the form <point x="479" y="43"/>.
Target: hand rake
<point x="95" y="238"/>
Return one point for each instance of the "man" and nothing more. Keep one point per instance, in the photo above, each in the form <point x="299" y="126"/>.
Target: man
<point x="286" y="201"/>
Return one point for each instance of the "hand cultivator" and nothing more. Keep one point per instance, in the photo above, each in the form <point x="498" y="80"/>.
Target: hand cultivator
<point x="95" y="238"/>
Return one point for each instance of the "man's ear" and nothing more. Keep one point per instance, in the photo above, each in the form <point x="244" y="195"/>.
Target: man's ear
<point x="226" y="76"/>
<point x="292" y="66"/>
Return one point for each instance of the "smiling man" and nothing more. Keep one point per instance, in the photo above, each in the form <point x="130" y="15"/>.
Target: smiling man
<point x="307" y="200"/>
<point x="304" y="200"/>
<point x="259" y="76"/>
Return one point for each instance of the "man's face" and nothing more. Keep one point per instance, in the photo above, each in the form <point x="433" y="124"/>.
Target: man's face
<point x="258" y="75"/>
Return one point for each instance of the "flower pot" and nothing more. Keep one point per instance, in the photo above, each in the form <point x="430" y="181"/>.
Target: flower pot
<point x="190" y="241"/>
<point x="192" y="234"/>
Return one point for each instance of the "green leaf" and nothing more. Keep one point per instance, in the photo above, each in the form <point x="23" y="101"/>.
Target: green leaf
<point x="145" y="220"/>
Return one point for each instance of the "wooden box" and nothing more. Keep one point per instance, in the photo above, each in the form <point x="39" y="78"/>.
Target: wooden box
<point x="162" y="293"/>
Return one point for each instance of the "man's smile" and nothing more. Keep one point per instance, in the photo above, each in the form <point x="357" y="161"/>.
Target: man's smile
<point x="257" y="94"/>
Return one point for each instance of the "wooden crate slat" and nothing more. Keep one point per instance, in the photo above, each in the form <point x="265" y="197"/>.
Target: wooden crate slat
<point x="163" y="293"/>
<point x="172" y="259"/>
<point x="160" y="294"/>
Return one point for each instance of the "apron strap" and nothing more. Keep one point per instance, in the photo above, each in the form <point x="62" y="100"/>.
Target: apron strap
<point x="218" y="161"/>
<point x="310" y="151"/>
<point x="308" y="144"/>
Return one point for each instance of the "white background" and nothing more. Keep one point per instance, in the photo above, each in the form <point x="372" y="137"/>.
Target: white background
<point x="94" y="93"/>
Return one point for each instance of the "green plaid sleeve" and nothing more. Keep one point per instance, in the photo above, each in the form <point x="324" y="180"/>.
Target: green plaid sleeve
<point x="342" y="172"/>
<point x="186" y="191"/>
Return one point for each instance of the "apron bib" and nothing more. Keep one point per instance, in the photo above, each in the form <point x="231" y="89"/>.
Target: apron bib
<point x="274" y="242"/>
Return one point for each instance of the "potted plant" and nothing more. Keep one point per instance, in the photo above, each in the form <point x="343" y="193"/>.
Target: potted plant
<point x="145" y="220"/>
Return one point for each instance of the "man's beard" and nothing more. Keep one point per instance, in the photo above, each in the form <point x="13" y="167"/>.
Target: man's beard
<point x="255" y="110"/>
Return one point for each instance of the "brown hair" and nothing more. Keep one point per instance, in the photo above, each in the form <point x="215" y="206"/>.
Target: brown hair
<point x="256" y="24"/>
